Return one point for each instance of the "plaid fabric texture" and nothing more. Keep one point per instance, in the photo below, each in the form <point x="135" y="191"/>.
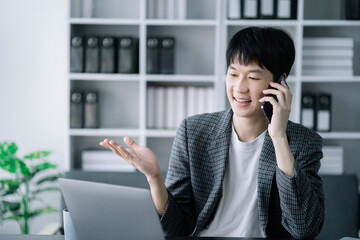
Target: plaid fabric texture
<point x="288" y="207"/>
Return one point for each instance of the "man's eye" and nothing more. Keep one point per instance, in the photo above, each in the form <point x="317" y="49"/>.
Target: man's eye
<point x="233" y="75"/>
<point x="252" y="78"/>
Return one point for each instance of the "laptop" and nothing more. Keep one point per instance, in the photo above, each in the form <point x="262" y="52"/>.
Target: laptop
<point x="106" y="211"/>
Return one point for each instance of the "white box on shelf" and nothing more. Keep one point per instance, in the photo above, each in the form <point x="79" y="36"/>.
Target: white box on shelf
<point x="180" y="105"/>
<point x="328" y="42"/>
<point x="333" y="160"/>
<point x="170" y="103"/>
<point x="150" y="102"/>
<point x="159" y="107"/>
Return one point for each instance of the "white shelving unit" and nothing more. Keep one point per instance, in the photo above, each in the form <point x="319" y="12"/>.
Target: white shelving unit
<point x="204" y="35"/>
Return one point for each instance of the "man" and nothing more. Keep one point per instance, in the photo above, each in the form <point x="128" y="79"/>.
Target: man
<point x="231" y="173"/>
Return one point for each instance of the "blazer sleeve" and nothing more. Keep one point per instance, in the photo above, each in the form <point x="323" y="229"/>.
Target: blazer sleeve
<point x="178" y="218"/>
<point x="302" y="196"/>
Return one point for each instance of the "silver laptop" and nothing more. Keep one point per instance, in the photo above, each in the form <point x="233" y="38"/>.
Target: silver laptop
<point x="105" y="211"/>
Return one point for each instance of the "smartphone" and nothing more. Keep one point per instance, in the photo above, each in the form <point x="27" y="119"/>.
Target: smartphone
<point x="267" y="107"/>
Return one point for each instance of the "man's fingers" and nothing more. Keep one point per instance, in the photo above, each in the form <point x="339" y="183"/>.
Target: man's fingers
<point x="130" y="142"/>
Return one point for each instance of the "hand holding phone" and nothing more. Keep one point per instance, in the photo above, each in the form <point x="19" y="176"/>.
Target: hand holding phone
<point x="267" y="107"/>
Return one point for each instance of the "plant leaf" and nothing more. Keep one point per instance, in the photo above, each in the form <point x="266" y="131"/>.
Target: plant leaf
<point x="16" y="217"/>
<point x="52" y="178"/>
<point x="46" y="190"/>
<point x="9" y="185"/>
<point x="14" y="165"/>
<point x="43" y="166"/>
<point x="38" y="155"/>
<point x="7" y="149"/>
<point x="39" y="211"/>
<point x="11" y="206"/>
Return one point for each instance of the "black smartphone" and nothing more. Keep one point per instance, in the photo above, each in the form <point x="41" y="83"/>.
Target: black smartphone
<point x="267" y="107"/>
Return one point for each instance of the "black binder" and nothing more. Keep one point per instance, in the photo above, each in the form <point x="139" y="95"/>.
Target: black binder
<point x="152" y="53"/>
<point x="350" y="9"/>
<point x="267" y="9"/>
<point x="76" y="109"/>
<point x="107" y="55"/>
<point x="128" y="56"/>
<point x="77" y="54"/>
<point x="324" y="113"/>
<point x="250" y="9"/>
<point x="92" y="55"/>
<point x="167" y="55"/>
<point x="91" y="110"/>
<point x="308" y="110"/>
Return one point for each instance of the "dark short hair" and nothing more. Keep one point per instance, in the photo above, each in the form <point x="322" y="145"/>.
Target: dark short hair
<point x="265" y="46"/>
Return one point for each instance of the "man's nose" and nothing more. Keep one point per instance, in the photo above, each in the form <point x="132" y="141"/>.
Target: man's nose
<point x="241" y="85"/>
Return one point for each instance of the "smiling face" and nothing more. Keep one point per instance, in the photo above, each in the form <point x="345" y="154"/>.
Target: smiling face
<point x="244" y="86"/>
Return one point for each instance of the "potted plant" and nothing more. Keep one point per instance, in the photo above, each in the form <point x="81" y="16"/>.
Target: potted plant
<point x="28" y="178"/>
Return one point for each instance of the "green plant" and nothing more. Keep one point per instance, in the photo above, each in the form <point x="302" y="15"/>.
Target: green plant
<point x="27" y="180"/>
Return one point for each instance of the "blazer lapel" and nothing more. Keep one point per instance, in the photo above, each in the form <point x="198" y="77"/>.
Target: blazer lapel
<point x="266" y="171"/>
<point x="218" y="151"/>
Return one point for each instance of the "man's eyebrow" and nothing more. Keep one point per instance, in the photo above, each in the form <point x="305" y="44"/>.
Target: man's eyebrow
<point x="255" y="70"/>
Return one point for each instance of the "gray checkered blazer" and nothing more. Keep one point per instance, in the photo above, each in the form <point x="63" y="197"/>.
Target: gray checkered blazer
<point x="288" y="207"/>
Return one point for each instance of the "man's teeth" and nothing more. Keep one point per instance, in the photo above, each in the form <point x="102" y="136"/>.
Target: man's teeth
<point x="242" y="100"/>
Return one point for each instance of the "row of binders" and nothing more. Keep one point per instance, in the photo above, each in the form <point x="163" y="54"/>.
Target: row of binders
<point x="84" y="110"/>
<point x="99" y="160"/>
<point x="168" y="106"/>
<point x="167" y="9"/>
<point x="261" y="9"/>
<point x="328" y="56"/>
<point x="104" y="54"/>
<point x="316" y="111"/>
<point x="333" y="160"/>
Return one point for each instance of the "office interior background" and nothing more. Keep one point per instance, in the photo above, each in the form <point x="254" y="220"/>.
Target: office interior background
<point x="37" y="81"/>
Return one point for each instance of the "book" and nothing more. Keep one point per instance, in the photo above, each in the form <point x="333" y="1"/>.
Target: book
<point x="328" y="52"/>
<point x="202" y="106"/>
<point x="328" y="72"/>
<point x="210" y="100"/>
<point x="234" y="9"/>
<point x="192" y="101"/>
<point x="150" y="103"/>
<point x="328" y="42"/>
<point x="350" y="9"/>
<point x="286" y="9"/>
<point x="170" y="111"/>
<point x="180" y="105"/>
<point x="159" y="107"/>
<point x="182" y="9"/>
<point x="337" y="62"/>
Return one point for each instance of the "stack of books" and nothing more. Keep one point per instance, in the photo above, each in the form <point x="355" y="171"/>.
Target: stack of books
<point x="328" y="56"/>
<point x="167" y="9"/>
<point x="333" y="161"/>
<point x="94" y="160"/>
<point x="168" y="106"/>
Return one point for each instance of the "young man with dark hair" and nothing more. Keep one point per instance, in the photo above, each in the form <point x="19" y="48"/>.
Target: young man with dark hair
<point x="231" y="173"/>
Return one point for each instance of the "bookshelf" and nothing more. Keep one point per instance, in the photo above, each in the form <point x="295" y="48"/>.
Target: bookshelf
<point x="201" y="39"/>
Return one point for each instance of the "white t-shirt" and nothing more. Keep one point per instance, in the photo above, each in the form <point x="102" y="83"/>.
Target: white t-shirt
<point x="237" y="214"/>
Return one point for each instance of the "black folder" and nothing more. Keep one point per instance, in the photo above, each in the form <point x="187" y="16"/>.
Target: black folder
<point x="286" y="9"/>
<point x="308" y="110"/>
<point x="350" y="9"/>
<point x="152" y="53"/>
<point x="107" y="55"/>
<point x="128" y="56"/>
<point x="324" y="113"/>
<point x="92" y="55"/>
<point x="167" y="55"/>
<point x="91" y="110"/>
<point x="77" y="54"/>
<point x="76" y="109"/>
<point x="267" y="9"/>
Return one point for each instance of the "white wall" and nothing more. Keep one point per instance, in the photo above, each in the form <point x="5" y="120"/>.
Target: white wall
<point x="33" y="68"/>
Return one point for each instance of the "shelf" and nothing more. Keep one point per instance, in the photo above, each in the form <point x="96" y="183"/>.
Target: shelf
<point x="104" y="21"/>
<point x="180" y="78"/>
<point x="330" y="23"/>
<point x="104" y="77"/>
<point x="330" y="79"/>
<point x="104" y="132"/>
<point x="160" y="133"/>
<point x="169" y="22"/>
<point x="340" y="135"/>
<point x="248" y="22"/>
